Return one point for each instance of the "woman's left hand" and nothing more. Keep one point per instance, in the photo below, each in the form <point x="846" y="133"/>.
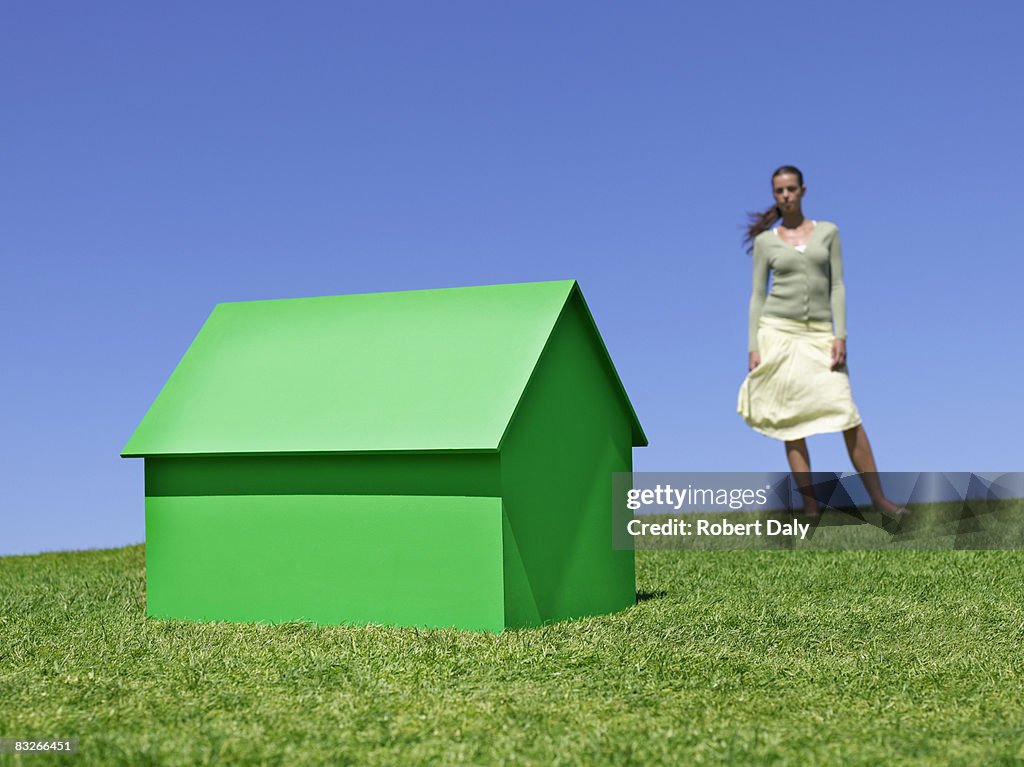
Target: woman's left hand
<point x="838" y="352"/>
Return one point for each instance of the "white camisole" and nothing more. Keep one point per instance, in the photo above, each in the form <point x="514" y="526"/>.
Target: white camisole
<point x="801" y="248"/>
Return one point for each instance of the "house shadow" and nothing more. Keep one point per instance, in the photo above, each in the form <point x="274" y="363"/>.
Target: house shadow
<point x="644" y="596"/>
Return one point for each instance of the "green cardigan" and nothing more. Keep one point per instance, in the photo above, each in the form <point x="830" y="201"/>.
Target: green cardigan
<point x="806" y="286"/>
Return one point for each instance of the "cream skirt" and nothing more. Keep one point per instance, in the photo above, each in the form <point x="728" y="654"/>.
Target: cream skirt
<point x="794" y="393"/>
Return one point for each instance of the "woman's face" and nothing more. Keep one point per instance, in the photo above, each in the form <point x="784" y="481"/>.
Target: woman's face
<point x="788" y="192"/>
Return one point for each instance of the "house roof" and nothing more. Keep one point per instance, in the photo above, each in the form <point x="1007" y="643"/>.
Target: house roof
<point x="405" y="371"/>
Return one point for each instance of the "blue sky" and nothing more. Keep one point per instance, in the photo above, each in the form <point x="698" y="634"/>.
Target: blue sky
<point x="157" y="161"/>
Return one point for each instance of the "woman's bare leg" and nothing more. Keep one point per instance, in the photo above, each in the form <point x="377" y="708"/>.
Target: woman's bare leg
<point x="800" y="465"/>
<point x="863" y="459"/>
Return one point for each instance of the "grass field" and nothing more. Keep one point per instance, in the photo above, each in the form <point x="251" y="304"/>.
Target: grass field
<point x="730" y="657"/>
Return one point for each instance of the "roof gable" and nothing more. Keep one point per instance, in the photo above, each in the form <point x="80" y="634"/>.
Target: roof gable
<point x="404" y="371"/>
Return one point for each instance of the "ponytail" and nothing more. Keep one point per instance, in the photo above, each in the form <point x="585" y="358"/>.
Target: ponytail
<point x="761" y="222"/>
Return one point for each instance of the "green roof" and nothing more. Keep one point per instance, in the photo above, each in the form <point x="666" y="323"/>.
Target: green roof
<point x="406" y="371"/>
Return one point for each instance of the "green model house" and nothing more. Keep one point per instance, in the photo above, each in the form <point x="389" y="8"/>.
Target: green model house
<point x="421" y="458"/>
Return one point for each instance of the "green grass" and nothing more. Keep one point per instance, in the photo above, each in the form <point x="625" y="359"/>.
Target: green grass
<point x="763" y="657"/>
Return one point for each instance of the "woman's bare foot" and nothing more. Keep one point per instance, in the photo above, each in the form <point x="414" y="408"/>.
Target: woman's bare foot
<point x="811" y="508"/>
<point x="890" y="509"/>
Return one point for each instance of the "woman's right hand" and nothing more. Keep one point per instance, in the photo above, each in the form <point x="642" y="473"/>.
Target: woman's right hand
<point x="755" y="360"/>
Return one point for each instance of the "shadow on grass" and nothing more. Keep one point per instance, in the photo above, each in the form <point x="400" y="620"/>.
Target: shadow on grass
<point x="643" y="596"/>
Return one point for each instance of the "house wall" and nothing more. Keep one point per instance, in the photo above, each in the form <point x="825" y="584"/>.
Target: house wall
<point x="571" y="431"/>
<point x="409" y="540"/>
<point x="430" y="561"/>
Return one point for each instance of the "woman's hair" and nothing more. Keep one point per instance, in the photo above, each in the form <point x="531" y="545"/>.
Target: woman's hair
<point x="762" y="222"/>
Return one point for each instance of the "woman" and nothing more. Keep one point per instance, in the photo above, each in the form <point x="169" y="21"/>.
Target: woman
<point x="798" y="384"/>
